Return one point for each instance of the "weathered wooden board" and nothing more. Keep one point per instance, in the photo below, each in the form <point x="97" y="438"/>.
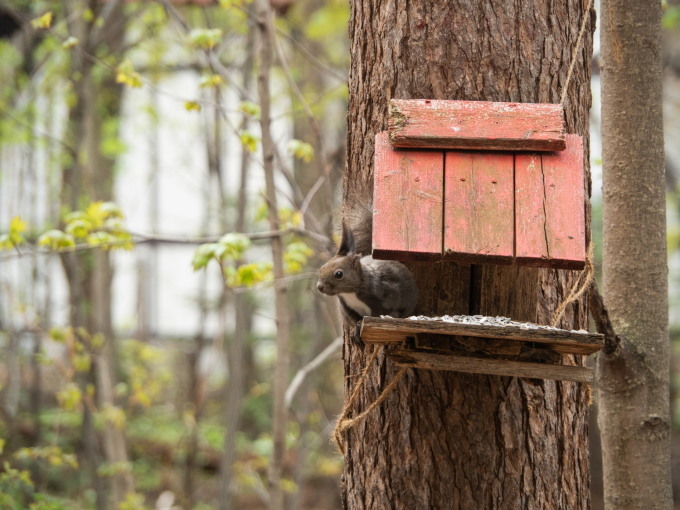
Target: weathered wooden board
<point x="480" y="125"/>
<point x="550" y="208"/>
<point x="390" y="331"/>
<point x="471" y="364"/>
<point x="478" y="207"/>
<point x="407" y="202"/>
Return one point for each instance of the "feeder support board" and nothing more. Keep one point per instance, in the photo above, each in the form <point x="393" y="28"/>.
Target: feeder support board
<point x="481" y="349"/>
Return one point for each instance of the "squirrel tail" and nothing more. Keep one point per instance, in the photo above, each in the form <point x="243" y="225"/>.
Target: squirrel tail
<point x="359" y="219"/>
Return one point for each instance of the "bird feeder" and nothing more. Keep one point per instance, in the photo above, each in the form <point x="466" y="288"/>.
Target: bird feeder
<point x="479" y="182"/>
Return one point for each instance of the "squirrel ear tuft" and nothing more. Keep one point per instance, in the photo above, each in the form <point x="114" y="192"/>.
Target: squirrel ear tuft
<point x="347" y="244"/>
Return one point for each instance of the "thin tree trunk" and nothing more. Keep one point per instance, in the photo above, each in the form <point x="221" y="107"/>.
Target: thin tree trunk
<point x="90" y="178"/>
<point x="280" y="379"/>
<point x="633" y="379"/>
<point x="447" y="440"/>
<point x="235" y="388"/>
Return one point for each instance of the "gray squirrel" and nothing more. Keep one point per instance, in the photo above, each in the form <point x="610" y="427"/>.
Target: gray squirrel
<point x="365" y="286"/>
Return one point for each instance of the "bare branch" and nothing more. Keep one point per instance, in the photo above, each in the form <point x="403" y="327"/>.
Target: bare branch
<point x="301" y="374"/>
<point x="603" y="323"/>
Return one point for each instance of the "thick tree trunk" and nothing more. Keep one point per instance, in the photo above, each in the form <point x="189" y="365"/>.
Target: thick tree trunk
<point x="633" y="379"/>
<point x="445" y="440"/>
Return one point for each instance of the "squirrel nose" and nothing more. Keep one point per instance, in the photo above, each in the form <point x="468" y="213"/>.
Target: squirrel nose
<point x="319" y="286"/>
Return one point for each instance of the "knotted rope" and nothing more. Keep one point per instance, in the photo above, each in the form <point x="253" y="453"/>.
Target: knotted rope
<point x="344" y="421"/>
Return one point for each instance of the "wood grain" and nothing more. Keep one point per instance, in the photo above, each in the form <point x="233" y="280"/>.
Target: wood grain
<point x="550" y="208"/>
<point x="475" y="365"/>
<point x="481" y="125"/>
<point x="407" y="202"/>
<point x="478" y="207"/>
<point x="390" y="331"/>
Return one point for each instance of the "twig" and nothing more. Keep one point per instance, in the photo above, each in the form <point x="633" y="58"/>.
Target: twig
<point x="141" y="238"/>
<point x="301" y="374"/>
<point x="603" y="323"/>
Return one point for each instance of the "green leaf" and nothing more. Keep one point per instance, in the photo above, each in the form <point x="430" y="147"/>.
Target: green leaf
<point x="234" y="4"/>
<point x="101" y="240"/>
<point x="192" y="106"/>
<point x="17" y="226"/>
<point x="205" y="38"/>
<point x="15" y="235"/>
<point x="69" y="397"/>
<point x="203" y="255"/>
<point x="234" y="245"/>
<point x="42" y="22"/>
<point x="126" y="75"/>
<point x="296" y="255"/>
<point x="70" y="42"/>
<point x="249" y="140"/>
<point x="56" y="240"/>
<point x="132" y="501"/>
<point x="248" y="275"/>
<point x="110" y="414"/>
<point x="106" y="210"/>
<point x="211" y="80"/>
<point x="250" y="108"/>
<point x="58" y="335"/>
<point x="671" y="17"/>
<point x="301" y="150"/>
<point x="79" y="228"/>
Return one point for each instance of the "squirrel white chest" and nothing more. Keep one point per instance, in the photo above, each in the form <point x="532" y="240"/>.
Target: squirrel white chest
<point x="351" y="300"/>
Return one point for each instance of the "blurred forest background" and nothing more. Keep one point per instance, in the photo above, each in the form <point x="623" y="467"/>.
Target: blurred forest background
<point x="138" y="326"/>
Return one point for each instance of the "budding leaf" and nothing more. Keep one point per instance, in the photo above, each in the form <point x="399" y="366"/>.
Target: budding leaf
<point x="42" y="22"/>
<point x="211" y="80"/>
<point x="192" y="106"/>
<point x="250" y="108"/>
<point x="126" y="75"/>
<point x="301" y="150"/>
<point x="249" y="141"/>
<point x="205" y="38"/>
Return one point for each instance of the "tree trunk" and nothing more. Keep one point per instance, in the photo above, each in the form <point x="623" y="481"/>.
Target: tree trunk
<point x="236" y="347"/>
<point x="89" y="178"/>
<point x="265" y="26"/>
<point x="448" y="440"/>
<point x="633" y="378"/>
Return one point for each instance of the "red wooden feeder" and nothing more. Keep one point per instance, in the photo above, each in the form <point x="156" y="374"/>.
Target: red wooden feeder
<point x="479" y="182"/>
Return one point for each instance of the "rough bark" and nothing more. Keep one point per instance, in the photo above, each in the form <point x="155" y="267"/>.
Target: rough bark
<point x="448" y="440"/>
<point x="633" y="395"/>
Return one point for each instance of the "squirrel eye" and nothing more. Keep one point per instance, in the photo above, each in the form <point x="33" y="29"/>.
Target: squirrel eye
<point x="338" y="274"/>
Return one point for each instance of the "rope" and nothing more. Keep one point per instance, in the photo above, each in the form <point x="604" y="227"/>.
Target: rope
<point x="582" y="284"/>
<point x="586" y="277"/>
<point x="344" y="421"/>
<point x="577" y="48"/>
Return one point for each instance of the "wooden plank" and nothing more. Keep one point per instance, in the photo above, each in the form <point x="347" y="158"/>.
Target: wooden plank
<point x="479" y="207"/>
<point x="550" y="208"/>
<point x="407" y="202"/>
<point x="486" y="347"/>
<point x="389" y="331"/>
<point x="479" y="125"/>
<point x="475" y="365"/>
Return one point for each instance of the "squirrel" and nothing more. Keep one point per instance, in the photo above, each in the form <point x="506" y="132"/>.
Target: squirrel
<point x="365" y="286"/>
